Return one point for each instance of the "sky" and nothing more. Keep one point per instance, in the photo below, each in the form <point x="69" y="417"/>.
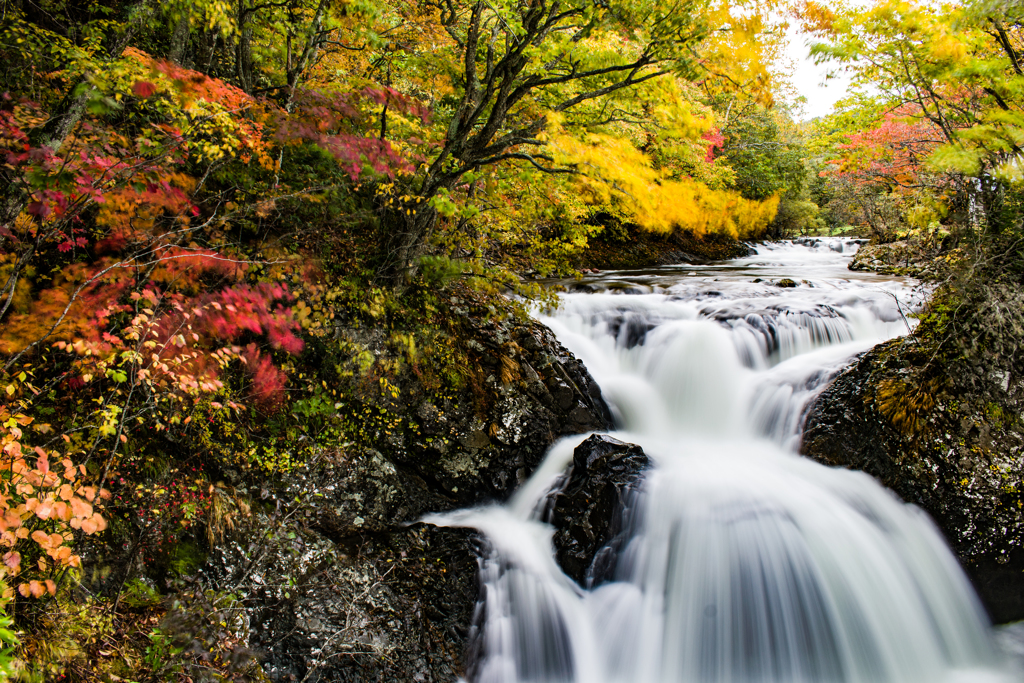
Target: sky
<point x="809" y="78"/>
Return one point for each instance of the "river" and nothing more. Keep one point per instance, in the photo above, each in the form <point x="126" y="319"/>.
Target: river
<point x="745" y="562"/>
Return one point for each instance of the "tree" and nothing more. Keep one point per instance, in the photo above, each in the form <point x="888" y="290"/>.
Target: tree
<point x="958" y="68"/>
<point x="513" y="66"/>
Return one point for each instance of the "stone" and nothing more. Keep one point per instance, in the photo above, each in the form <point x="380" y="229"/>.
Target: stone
<point x="340" y="581"/>
<point x="959" y="465"/>
<point x="595" y="506"/>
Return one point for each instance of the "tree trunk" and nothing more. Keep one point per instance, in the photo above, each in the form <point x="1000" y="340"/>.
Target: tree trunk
<point x="180" y="38"/>
<point x="243" y="52"/>
<point x="403" y="240"/>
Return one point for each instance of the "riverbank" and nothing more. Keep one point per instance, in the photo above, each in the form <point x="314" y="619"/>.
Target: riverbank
<point x="622" y="247"/>
<point x="937" y="416"/>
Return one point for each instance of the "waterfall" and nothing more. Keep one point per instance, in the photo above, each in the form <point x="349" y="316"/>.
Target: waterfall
<point x="747" y="563"/>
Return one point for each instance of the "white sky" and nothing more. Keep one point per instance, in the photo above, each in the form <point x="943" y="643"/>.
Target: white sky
<point x="809" y="79"/>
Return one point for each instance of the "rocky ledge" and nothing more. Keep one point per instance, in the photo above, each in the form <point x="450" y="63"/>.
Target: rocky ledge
<point x="949" y="443"/>
<point x="906" y="258"/>
<point x="338" y="581"/>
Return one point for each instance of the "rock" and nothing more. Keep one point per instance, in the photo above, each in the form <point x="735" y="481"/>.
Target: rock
<point x="904" y="257"/>
<point x="592" y="510"/>
<point x="392" y="608"/>
<point x="785" y="282"/>
<point x="951" y="444"/>
<point x="540" y="393"/>
<point x="338" y="580"/>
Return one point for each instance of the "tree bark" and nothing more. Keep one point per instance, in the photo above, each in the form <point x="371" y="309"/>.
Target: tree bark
<point x="180" y="38"/>
<point x="243" y="51"/>
<point x="403" y="239"/>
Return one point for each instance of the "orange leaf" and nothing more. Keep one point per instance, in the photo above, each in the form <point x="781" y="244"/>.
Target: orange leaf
<point x="13" y="561"/>
<point x="51" y="586"/>
<point x="45" y="509"/>
<point x="12" y="518"/>
<point x="66" y="492"/>
<point x="23" y="589"/>
<point x="62" y="511"/>
<point x="80" y="508"/>
<point x="41" y="537"/>
<point x="37" y="589"/>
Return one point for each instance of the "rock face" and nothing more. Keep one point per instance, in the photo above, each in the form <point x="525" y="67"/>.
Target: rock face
<point x="899" y="258"/>
<point x="950" y="444"/>
<point x="594" y="507"/>
<point x="623" y="246"/>
<point x="538" y="392"/>
<point x="339" y="582"/>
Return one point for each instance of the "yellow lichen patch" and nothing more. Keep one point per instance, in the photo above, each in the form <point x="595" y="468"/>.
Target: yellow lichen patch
<point x="509" y="370"/>
<point x="905" y="405"/>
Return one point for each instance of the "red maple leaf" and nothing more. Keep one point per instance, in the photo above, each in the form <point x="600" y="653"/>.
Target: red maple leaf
<point x="143" y="89"/>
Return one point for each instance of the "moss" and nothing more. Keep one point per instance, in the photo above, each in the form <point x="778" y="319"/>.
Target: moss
<point x="185" y="557"/>
<point x="906" y="406"/>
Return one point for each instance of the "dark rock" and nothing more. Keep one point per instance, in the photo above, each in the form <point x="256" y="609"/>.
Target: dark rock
<point x="951" y="446"/>
<point x="904" y="257"/>
<point x="546" y="393"/>
<point x="785" y="282"/>
<point x="393" y="607"/>
<point x="593" y="508"/>
<point x="338" y="581"/>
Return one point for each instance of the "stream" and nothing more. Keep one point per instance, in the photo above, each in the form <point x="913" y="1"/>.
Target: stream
<point x="745" y="562"/>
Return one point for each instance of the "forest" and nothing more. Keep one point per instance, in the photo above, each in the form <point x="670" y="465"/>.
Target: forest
<point x="243" y="241"/>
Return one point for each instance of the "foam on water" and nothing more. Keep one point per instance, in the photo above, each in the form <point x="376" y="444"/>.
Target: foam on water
<point x="746" y="562"/>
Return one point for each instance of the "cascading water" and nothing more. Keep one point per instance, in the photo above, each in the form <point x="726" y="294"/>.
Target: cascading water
<point x="746" y="562"/>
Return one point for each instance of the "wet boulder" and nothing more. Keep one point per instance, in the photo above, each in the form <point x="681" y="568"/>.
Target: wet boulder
<point x="949" y="443"/>
<point x="595" y="506"/>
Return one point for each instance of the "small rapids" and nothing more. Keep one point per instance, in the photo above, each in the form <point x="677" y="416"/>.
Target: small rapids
<point x="745" y="563"/>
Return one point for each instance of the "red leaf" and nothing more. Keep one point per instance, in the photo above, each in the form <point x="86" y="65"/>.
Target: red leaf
<point x="38" y="209"/>
<point x="143" y="89"/>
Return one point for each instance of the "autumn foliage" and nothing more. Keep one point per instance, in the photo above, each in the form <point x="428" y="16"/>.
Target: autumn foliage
<point x="43" y="504"/>
<point x="189" y="220"/>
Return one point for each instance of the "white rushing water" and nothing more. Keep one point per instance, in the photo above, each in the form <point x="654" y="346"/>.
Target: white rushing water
<point x="747" y="562"/>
